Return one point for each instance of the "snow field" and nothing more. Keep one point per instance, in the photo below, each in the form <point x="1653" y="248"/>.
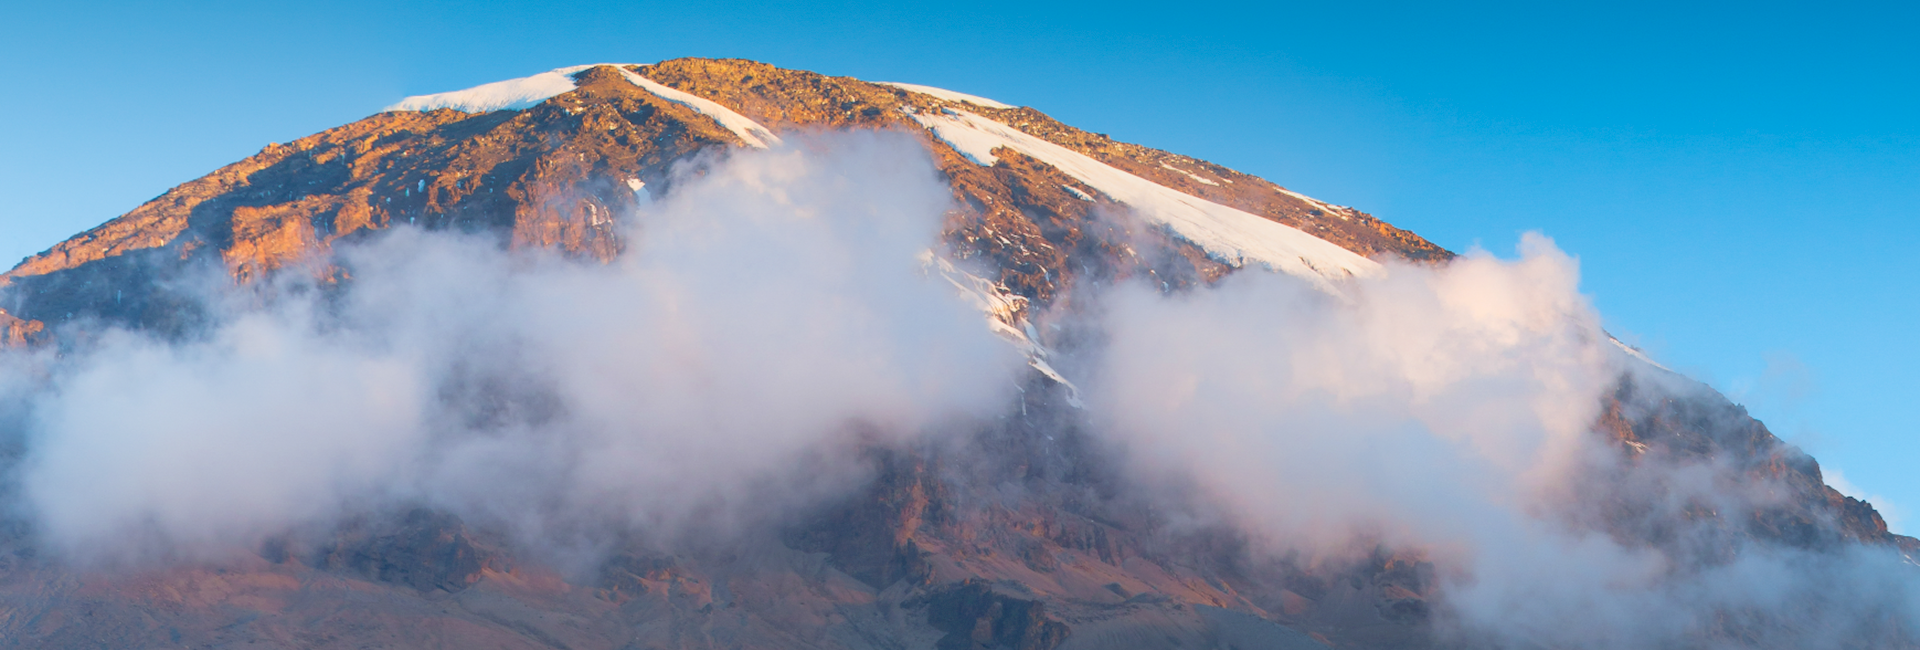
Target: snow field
<point x="1227" y="234"/>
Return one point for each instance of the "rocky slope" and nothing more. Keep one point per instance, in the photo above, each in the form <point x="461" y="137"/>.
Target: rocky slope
<point x="922" y="557"/>
<point x="556" y="173"/>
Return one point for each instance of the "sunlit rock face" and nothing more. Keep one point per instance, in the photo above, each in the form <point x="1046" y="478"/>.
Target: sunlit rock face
<point x="685" y="355"/>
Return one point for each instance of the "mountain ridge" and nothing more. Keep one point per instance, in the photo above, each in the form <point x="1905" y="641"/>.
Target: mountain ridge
<point x="145" y="228"/>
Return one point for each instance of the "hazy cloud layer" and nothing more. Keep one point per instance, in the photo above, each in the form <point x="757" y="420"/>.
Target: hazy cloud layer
<point x="769" y="313"/>
<point x="1451" y="410"/>
<point x="1474" y="386"/>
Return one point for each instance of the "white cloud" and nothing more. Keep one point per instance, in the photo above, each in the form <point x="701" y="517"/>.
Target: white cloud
<point x="770" y="314"/>
<point x="1450" y="409"/>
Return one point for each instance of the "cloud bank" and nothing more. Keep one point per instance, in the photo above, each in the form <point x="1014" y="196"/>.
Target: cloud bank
<point x="1452" y="410"/>
<point x="769" y="313"/>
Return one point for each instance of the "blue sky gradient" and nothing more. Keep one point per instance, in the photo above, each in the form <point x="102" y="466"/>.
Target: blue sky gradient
<point x="1741" y="181"/>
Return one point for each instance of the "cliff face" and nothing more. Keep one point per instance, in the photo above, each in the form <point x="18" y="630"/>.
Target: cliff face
<point x="931" y="553"/>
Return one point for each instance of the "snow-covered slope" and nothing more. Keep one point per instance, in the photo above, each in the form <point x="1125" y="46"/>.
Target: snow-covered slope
<point x="1230" y="235"/>
<point x="509" y="95"/>
<point x="525" y="92"/>
<point x="948" y="95"/>
<point x="1002" y="308"/>
<point x="747" y="130"/>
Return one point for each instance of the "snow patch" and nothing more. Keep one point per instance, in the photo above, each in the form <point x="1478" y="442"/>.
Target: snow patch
<point x="1232" y="236"/>
<point x="509" y="95"/>
<point x="976" y="145"/>
<point x="1002" y="307"/>
<point x="1637" y="354"/>
<point x="1191" y="175"/>
<point x="525" y="92"/>
<point x="948" y="95"/>
<point x="1324" y="206"/>
<point x="1075" y="191"/>
<point x="640" y="195"/>
<point x="747" y="130"/>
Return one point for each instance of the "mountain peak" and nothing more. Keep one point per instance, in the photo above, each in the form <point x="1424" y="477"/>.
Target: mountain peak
<point x="945" y="94"/>
<point x="1027" y="526"/>
<point x="510" y="94"/>
<point x="485" y="158"/>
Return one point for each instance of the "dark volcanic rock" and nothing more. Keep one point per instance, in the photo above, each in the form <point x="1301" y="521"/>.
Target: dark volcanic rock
<point x="977" y="618"/>
<point x="424" y="550"/>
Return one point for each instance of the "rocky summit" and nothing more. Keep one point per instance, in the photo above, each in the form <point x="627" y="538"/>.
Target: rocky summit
<point x="1037" y="538"/>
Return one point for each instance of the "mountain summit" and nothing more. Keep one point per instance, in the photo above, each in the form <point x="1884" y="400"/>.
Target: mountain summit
<point x="497" y="157"/>
<point x="1203" y="362"/>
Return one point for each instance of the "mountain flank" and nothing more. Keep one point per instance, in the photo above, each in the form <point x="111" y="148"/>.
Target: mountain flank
<point x="1044" y="545"/>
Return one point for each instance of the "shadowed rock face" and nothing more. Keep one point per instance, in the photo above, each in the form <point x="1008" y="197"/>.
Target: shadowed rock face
<point x="931" y="554"/>
<point x="1692" y="424"/>
<point x="974" y="616"/>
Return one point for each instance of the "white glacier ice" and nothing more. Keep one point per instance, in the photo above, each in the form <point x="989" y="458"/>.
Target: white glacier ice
<point x="747" y="130"/>
<point x="948" y="95"/>
<point x="525" y="92"/>
<point x="1227" y="234"/>
<point x="509" y="95"/>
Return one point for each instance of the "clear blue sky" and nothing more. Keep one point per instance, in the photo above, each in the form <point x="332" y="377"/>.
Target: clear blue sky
<point x="1741" y="181"/>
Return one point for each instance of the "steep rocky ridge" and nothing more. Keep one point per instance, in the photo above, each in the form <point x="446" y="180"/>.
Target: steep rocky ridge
<point x="1694" y="424"/>
<point x="924" y="556"/>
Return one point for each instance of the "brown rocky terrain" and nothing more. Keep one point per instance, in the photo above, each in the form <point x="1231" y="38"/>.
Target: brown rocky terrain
<point x="922" y="557"/>
<point x="15" y="332"/>
<point x="551" y="176"/>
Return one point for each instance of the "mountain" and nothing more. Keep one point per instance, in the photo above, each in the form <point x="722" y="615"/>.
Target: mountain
<point x="1039" y="538"/>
